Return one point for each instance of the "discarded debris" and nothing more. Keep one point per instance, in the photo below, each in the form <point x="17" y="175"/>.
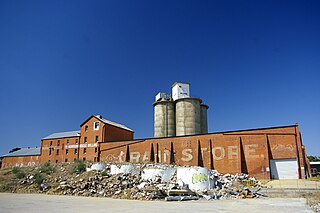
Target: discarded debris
<point x="150" y="182"/>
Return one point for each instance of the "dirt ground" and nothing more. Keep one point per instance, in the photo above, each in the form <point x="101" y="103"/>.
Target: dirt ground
<point x="55" y="203"/>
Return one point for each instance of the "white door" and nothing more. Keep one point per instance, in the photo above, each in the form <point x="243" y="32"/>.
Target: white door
<point x="284" y="169"/>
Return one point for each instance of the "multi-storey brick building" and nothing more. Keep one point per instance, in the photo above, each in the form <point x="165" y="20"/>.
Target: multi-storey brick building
<point x="82" y="144"/>
<point x="266" y="153"/>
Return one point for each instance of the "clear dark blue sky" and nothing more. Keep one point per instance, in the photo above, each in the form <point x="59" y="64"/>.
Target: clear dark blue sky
<point x="255" y="63"/>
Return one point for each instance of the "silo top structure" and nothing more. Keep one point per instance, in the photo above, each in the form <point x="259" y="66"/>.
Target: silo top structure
<point x="180" y="90"/>
<point x="179" y="114"/>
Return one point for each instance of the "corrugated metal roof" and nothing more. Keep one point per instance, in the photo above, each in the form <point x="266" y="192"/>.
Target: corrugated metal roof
<point x="62" y="135"/>
<point x="113" y="123"/>
<point x="24" y="152"/>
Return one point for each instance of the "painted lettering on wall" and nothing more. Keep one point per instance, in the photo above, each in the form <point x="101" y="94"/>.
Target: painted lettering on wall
<point x="218" y="153"/>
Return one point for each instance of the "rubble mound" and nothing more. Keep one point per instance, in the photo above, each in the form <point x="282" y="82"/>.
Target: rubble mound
<point x="145" y="182"/>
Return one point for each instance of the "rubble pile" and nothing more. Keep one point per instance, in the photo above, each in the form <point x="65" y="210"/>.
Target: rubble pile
<point x="234" y="186"/>
<point x="150" y="182"/>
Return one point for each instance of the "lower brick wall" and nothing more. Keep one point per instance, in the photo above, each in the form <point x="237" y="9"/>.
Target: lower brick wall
<point x="247" y="151"/>
<point x="21" y="161"/>
<point x="231" y="152"/>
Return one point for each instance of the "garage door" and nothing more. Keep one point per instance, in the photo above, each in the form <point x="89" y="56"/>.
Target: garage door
<point x="284" y="169"/>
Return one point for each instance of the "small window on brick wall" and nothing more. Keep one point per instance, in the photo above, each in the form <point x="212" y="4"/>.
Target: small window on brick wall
<point x="77" y="141"/>
<point x="85" y="140"/>
<point x="97" y="138"/>
<point x="96" y="125"/>
<point x="57" y="152"/>
<point x="84" y="150"/>
<point x="67" y="151"/>
<point x="76" y="151"/>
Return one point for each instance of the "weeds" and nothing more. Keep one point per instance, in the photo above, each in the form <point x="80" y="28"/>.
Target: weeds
<point x="78" y="167"/>
<point x="46" y="168"/>
<point x="104" y="173"/>
<point x="18" y="173"/>
<point x="38" y="178"/>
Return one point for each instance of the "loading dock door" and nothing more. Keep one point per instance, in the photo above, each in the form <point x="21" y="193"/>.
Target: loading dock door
<point x="284" y="169"/>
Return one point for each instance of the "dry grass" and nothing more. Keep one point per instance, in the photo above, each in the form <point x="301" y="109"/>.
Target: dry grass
<point x="312" y="198"/>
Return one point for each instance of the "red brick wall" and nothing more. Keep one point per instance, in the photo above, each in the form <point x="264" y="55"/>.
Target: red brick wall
<point x="9" y="162"/>
<point x="62" y="150"/>
<point x="113" y="133"/>
<point x="232" y="152"/>
<point x="89" y="150"/>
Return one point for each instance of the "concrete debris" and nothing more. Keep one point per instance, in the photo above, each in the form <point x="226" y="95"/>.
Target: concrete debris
<point x="316" y="207"/>
<point x="96" y="167"/>
<point x="124" y="169"/>
<point x="146" y="182"/>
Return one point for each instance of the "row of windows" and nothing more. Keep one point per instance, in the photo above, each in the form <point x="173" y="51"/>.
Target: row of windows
<point x="67" y="142"/>
<point x="75" y="151"/>
<point x="85" y="140"/>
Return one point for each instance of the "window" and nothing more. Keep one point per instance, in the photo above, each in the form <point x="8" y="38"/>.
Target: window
<point x="49" y="161"/>
<point x="97" y="138"/>
<point x="96" y="125"/>
<point x="76" y="140"/>
<point x="67" y="141"/>
<point x="84" y="150"/>
<point x="58" y="143"/>
<point x="84" y="159"/>
<point x="86" y="128"/>
<point x="95" y="159"/>
<point x="66" y="160"/>
<point x="95" y="150"/>
<point x="50" y="143"/>
<point x="57" y="152"/>
<point x="56" y="161"/>
<point x="74" y="159"/>
<point x="85" y="140"/>
<point x="49" y="151"/>
<point x="67" y="151"/>
<point x="76" y="151"/>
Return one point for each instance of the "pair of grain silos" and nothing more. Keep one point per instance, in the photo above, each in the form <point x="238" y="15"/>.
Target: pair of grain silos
<point x="179" y="114"/>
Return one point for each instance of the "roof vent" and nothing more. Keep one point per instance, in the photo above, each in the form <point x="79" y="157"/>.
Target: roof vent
<point x="99" y="116"/>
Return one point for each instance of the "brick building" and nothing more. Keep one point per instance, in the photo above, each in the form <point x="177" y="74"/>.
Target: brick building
<point x="82" y="144"/>
<point x="266" y="153"/>
<point x="21" y="157"/>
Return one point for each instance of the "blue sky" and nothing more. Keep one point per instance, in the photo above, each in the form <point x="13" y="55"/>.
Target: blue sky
<point x="255" y="63"/>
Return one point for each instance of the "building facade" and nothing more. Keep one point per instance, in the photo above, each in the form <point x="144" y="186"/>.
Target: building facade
<point x="268" y="153"/>
<point x="83" y="144"/>
<point x="180" y="138"/>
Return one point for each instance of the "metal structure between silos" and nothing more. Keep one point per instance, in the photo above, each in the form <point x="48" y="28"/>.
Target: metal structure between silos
<point x="164" y="118"/>
<point x="188" y="115"/>
<point x="204" y="118"/>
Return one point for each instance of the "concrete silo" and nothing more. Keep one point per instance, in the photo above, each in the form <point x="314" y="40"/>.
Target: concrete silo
<point x="188" y="116"/>
<point x="203" y="118"/>
<point x="164" y="118"/>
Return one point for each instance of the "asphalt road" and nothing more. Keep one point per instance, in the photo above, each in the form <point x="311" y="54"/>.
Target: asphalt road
<point x="53" y="203"/>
